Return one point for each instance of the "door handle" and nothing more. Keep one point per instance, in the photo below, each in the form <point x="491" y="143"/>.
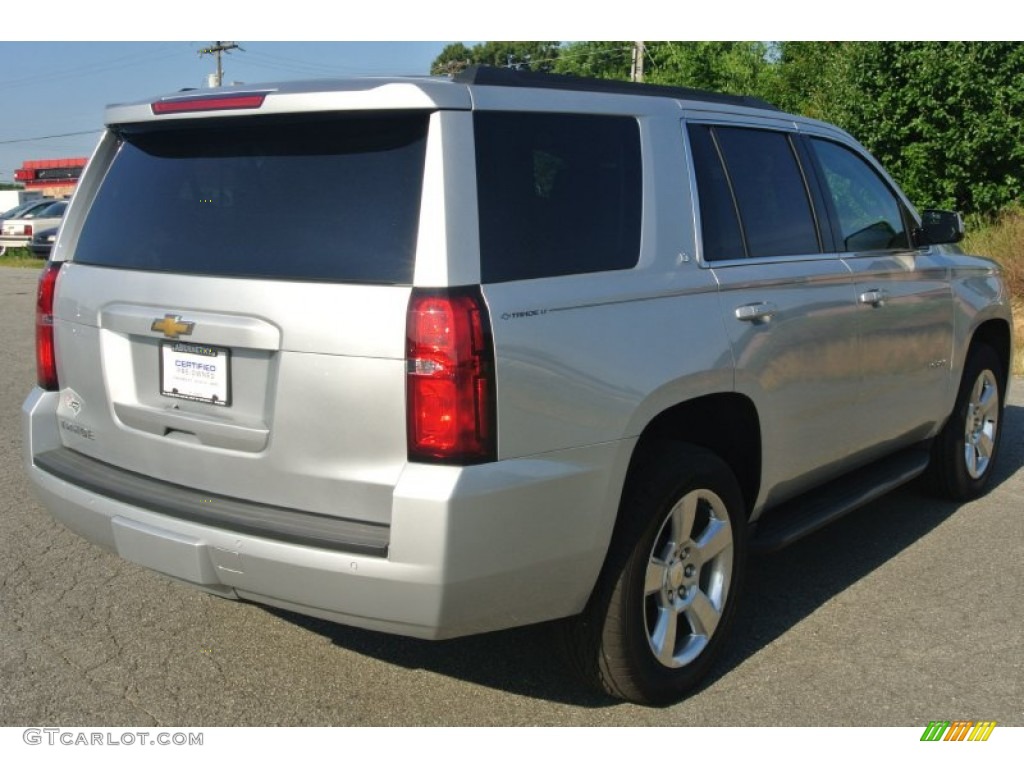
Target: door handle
<point x="875" y="297"/>
<point x="756" y="313"/>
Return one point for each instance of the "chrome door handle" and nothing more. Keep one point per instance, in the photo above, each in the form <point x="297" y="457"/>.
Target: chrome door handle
<point x="874" y="297"/>
<point x="756" y="313"/>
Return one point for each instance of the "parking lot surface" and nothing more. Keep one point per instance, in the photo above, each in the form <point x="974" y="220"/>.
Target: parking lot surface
<point x="906" y="611"/>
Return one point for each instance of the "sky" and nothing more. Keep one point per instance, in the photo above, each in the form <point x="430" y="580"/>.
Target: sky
<point x="60" y="86"/>
<point x="48" y="89"/>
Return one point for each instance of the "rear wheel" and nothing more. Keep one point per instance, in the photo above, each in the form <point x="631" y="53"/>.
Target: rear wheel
<point x="666" y="599"/>
<point x="963" y="455"/>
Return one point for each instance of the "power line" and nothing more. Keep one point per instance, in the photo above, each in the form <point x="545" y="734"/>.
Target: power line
<point x="54" y="136"/>
<point x="94" y="68"/>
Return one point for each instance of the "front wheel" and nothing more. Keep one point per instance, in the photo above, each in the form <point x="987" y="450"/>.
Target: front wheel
<point x="964" y="453"/>
<point x="666" y="599"/>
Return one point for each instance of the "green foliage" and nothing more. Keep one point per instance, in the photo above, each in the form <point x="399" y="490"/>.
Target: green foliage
<point x="21" y="257"/>
<point x="728" y="67"/>
<point x="1002" y="238"/>
<point x="611" y="60"/>
<point x="453" y="58"/>
<point x="739" y="68"/>
<point x="945" y="118"/>
<point x="536" y="56"/>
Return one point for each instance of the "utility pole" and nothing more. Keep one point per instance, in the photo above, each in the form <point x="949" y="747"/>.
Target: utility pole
<point x="636" y="73"/>
<point x="217" y="49"/>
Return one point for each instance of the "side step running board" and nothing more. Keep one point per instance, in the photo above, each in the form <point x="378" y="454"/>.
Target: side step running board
<point x="806" y="514"/>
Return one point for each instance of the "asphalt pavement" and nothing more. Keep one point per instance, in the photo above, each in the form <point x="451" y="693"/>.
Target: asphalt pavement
<point x="906" y="611"/>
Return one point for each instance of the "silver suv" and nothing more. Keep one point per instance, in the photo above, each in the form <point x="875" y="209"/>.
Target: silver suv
<point x="438" y="357"/>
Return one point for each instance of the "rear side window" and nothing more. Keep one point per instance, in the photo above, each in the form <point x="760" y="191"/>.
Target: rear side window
<point x="759" y="169"/>
<point x="319" y="199"/>
<point x="720" y="223"/>
<point x="558" y="194"/>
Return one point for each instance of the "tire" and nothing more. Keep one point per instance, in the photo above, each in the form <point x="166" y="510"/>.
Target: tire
<point x="667" y="595"/>
<point x="964" y="452"/>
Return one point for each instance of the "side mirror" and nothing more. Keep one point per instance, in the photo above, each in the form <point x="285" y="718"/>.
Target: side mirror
<point x="938" y="227"/>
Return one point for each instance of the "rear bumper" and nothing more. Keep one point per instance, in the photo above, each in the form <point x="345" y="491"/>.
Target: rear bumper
<point x="469" y="549"/>
<point x="14" y="241"/>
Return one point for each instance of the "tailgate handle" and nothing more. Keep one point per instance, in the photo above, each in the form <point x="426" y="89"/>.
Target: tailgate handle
<point x="756" y="313"/>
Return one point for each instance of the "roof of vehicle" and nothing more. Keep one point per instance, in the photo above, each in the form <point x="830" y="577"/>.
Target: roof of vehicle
<point x="517" y="78"/>
<point x="53" y="209"/>
<point x="475" y="87"/>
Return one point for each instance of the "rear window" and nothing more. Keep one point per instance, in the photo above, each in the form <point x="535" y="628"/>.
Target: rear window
<point x="323" y="199"/>
<point x="558" y="194"/>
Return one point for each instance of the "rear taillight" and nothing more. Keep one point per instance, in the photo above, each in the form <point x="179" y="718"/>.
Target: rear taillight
<point x="450" y="377"/>
<point x="46" y="357"/>
<point x="28" y="229"/>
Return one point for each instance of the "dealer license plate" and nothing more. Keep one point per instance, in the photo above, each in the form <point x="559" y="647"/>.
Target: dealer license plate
<point x="195" y="372"/>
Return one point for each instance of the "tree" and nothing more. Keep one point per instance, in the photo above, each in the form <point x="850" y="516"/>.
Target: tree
<point x="453" y="58"/>
<point x="729" y="67"/>
<point x="536" y="56"/>
<point x="610" y="60"/>
<point x="946" y="118"/>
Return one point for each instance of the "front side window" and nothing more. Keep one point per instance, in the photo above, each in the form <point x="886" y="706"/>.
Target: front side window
<point x="558" y="194"/>
<point x="868" y="213"/>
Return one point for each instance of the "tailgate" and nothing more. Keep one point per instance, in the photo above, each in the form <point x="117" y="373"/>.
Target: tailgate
<point x="232" y="318"/>
<point x="312" y="376"/>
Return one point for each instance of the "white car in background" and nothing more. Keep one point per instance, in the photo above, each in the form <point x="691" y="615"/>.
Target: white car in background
<point x="17" y="232"/>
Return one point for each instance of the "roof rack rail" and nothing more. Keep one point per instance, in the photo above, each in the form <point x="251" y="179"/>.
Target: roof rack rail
<point x="520" y="78"/>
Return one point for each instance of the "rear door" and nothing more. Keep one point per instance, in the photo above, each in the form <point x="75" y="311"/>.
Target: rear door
<point x="788" y="305"/>
<point x="232" y="318"/>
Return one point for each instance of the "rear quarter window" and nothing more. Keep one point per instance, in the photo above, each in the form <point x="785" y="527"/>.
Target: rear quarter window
<point x="317" y="199"/>
<point x="558" y="194"/>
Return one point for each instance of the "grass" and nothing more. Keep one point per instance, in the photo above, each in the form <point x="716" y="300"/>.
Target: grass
<point x="1002" y="239"/>
<point x="21" y="257"/>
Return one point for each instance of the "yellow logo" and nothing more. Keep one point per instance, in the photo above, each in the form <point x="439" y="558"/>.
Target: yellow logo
<point x="172" y="326"/>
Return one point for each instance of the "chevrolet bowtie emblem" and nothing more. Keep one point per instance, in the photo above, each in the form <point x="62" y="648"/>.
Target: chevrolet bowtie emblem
<point x="172" y="326"/>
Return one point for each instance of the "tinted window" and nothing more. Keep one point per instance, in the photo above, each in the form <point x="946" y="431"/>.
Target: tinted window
<point x="558" y="194"/>
<point x="770" y="192"/>
<point x="719" y="225"/>
<point x="328" y="199"/>
<point x="869" y="215"/>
